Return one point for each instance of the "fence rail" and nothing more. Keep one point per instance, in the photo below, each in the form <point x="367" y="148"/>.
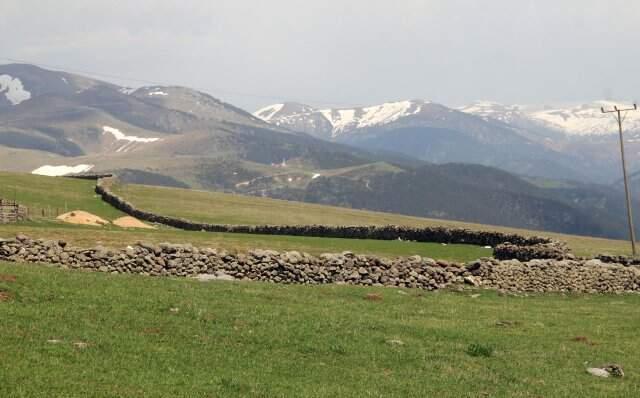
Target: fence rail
<point x="11" y="211"/>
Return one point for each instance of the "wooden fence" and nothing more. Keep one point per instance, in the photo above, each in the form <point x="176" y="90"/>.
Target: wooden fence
<point x="11" y="211"/>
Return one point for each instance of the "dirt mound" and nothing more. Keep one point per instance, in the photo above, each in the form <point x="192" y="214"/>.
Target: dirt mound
<point x="83" y="218"/>
<point x="131" y="222"/>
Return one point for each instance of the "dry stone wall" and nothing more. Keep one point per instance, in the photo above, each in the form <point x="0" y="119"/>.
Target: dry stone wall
<point x="517" y="246"/>
<point x="588" y="276"/>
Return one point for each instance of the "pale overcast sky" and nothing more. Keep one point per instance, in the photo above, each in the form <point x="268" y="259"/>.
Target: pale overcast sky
<point x="342" y="52"/>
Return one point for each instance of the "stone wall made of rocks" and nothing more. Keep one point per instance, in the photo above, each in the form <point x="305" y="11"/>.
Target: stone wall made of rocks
<point x="579" y="276"/>
<point x="553" y="250"/>
<point x="532" y="247"/>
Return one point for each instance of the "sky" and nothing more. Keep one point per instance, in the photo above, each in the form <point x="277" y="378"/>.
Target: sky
<point x="338" y="52"/>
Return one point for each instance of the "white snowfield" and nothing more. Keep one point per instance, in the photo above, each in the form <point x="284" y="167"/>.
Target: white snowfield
<point x="127" y="90"/>
<point x="586" y="119"/>
<point x="344" y="120"/>
<point x="268" y="112"/>
<point x="13" y="89"/>
<point x="493" y="110"/>
<point x="157" y="92"/>
<point x="56" y="171"/>
<point x="130" y="140"/>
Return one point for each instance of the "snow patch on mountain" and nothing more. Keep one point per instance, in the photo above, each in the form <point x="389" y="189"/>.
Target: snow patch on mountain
<point x="583" y="119"/>
<point x="157" y="92"/>
<point x="587" y="119"/>
<point x="127" y="90"/>
<point x="493" y="110"/>
<point x="131" y="140"/>
<point x="387" y="113"/>
<point x="268" y="112"/>
<point x="56" y="171"/>
<point x="13" y="89"/>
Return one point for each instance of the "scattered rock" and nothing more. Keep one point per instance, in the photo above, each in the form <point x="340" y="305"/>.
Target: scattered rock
<point x="614" y="370"/>
<point x="470" y="280"/>
<point x="54" y="341"/>
<point x="507" y="323"/>
<point x="175" y="310"/>
<point x="598" y="372"/>
<point x="395" y="342"/>
<point x="609" y="370"/>
<point x="80" y="345"/>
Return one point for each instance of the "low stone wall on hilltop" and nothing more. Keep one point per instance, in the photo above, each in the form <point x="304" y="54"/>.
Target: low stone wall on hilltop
<point x="584" y="276"/>
<point x="532" y="246"/>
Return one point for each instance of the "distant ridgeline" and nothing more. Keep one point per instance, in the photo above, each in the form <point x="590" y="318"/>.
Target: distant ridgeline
<point x="11" y="211"/>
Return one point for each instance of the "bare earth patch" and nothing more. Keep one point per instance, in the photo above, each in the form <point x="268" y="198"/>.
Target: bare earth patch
<point x="83" y="218"/>
<point x="7" y="278"/>
<point x="131" y="222"/>
<point x="5" y="296"/>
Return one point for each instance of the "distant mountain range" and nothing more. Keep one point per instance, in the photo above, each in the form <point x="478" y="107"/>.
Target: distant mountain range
<point x="393" y="157"/>
<point x="574" y="142"/>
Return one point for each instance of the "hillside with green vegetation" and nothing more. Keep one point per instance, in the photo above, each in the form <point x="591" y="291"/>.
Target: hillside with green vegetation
<point x="46" y="197"/>
<point x="222" y="208"/>
<point x="77" y="334"/>
<point x="38" y="192"/>
<point x="56" y="194"/>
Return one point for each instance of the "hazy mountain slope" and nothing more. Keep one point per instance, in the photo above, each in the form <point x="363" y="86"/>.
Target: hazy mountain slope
<point x="431" y="132"/>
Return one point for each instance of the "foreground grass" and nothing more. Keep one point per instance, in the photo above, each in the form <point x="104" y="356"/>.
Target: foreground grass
<point x="114" y="237"/>
<point x="169" y="337"/>
<point x="222" y="208"/>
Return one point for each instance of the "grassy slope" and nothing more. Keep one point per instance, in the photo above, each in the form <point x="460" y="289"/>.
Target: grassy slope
<point x="236" y="209"/>
<point x="59" y="193"/>
<point x="51" y="194"/>
<point x="38" y="192"/>
<point x="256" y="339"/>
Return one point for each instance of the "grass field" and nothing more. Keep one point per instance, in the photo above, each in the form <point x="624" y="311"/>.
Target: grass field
<point x="214" y="207"/>
<point x="60" y="194"/>
<point x="54" y="195"/>
<point x="78" y="334"/>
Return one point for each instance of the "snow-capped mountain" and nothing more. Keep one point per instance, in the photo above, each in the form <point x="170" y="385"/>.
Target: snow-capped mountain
<point x="575" y="120"/>
<point x="332" y="122"/>
<point x="494" y="110"/>
<point x="486" y="133"/>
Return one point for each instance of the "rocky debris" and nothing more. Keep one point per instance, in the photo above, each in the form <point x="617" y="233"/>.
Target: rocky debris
<point x="185" y="260"/>
<point x="550" y="250"/>
<point x="395" y="342"/>
<point x="610" y="370"/>
<point x="80" y="345"/>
